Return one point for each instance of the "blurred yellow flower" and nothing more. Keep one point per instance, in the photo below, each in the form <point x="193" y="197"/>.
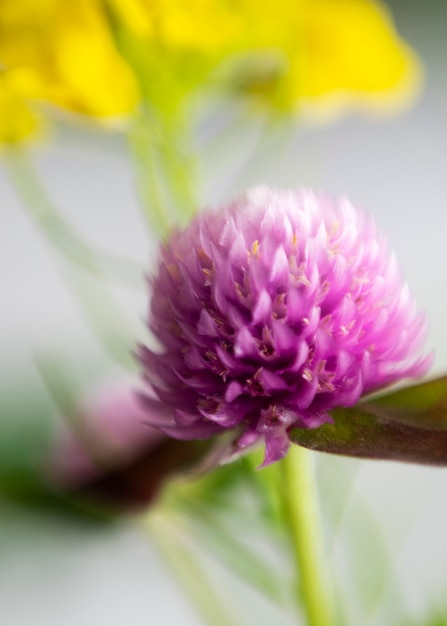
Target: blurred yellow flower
<point x="353" y="58"/>
<point x="17" y="120"/>
<point x="322" y="55"/>
<point x="66" y="55"/>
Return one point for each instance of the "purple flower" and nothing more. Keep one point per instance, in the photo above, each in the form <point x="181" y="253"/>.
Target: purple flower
<point x="271" y="312"/>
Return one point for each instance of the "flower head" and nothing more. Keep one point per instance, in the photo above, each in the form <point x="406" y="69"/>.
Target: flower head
<point x="270" y="313"/>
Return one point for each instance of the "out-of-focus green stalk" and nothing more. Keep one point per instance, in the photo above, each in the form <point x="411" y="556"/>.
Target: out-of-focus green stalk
<point x="182" y="558"/>
<point x="302" y="517"/>
<point x="60" y="232"/>
<point x="160" y="136"/>
<point x="146" y="166"/>
<point x="100" y="308"/>
<point x="181" y="166"/>
<point x="165" y="169"/>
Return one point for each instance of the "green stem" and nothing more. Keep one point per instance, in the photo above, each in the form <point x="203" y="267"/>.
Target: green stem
<point x="180" y="165"/>
<point x="90" y="291"/>
<point x="165" y="168"/>
<point x="60" y="232"/>
<point x="184" y="562"/>
<point x="302" y="515"/>
<point x="146" y="167"/>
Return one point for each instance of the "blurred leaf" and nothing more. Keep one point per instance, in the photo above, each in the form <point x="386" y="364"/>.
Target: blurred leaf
<point x="267" y="483"/>
<point x="438" y="620"/>
<point x="89" y="289"/>
<point x="357" y="545"/>
<point x="336" y="479"/>
<point x="184" y="558"/>
<point x="367" y="563"/>
<point x="232" y="514"/>
<point x="407" y="425"/>
<point x="40" y="499"/>
<point x="25" y="427"/>
<point x="246" y="562"/>
<point x="423" y="405"/>
<point x="438" y="617"/>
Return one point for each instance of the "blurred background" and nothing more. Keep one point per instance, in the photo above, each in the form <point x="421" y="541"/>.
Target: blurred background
<point x="55" y="569"/>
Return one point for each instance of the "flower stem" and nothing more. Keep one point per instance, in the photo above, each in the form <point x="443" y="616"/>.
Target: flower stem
<point x="88" y="287"/>
<point x="60" y="232"/>
<point x="301" y="513"/>
<point x="182" y="557"/>
<point x="165" y="169"/>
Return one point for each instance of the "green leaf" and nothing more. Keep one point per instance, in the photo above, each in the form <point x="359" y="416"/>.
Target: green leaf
<point x="182" y="554"/>
<point x="408" y="425"/>
<point x="228" y="513"/>
<point x="367" y="566"/>
<point x="247" y="562"/>
<point x="423" y="405"/>
<point x="438" y="617"/>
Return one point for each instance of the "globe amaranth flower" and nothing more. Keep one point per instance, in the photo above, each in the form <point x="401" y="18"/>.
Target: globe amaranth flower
<point x="271" y="312"/>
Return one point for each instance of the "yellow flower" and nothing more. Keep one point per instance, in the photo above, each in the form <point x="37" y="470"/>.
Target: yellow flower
<point x="205" y="26"/>
<point x="17" y="120"/>
<point x="353" y="58"/>
<point x="320" y="55"/>
<point x="66" y="55"/>
<point x="328" y="54"/>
